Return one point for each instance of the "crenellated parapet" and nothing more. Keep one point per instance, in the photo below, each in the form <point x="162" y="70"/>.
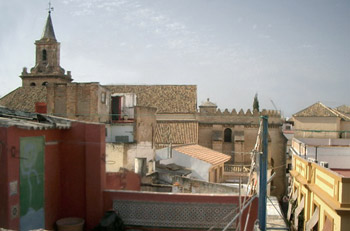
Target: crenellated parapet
<point x="241" y="112"/>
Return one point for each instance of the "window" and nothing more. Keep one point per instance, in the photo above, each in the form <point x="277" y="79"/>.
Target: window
<point x="228" y="135"/>
<point x="312" y="223"/>
<point x="328" y="223"/>
<point x="45" y="83"/>
<point x="116" y="107"/>
<point x="44" y="57"/>
<point x="103" y="97"/>
<point x="123" y="106"/>
<point x="220" y="173"/>
<point x="299" y="215"/>
<point x="32" y="84"/>
<point x="216" y="175"/>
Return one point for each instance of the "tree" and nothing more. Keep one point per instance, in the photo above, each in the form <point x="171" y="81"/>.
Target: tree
<point x="256" y="102"/>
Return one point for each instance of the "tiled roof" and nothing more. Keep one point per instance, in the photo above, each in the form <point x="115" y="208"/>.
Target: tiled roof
<point x="24" y="98"/>
<point x="202" y="153"/>
<point x="344" y="109"/>
<point x="320" y="110"/>
<point x="166" y="98"/>
<point x="176" y="133"/>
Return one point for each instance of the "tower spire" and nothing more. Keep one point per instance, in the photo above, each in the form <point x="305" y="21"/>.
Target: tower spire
<point x="50" y="7"/>
<point x="49" y="33"/>
<point x="47" y="69"/>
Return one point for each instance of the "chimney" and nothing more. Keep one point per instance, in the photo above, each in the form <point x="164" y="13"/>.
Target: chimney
<point x="40" y="107"/>
<point x="141" y="166"/>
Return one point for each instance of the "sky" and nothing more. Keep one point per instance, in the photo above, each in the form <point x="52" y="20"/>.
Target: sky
<point x="292" y="53"/>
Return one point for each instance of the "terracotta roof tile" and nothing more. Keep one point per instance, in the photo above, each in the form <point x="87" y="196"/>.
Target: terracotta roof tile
<point x="176" y="133"/>
<point x="202" y="153"/>
<point x="166" y="98"/>
<point x="24" y="98"/>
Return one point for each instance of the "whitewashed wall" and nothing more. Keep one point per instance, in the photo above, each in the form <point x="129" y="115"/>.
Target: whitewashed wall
<point x="200" y="169"/>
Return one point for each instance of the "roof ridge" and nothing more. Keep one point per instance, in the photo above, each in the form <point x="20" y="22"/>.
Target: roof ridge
<point x="299" y="113"/>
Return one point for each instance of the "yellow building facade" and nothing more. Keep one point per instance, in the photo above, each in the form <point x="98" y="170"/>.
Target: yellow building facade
<point x="322" y="196"/>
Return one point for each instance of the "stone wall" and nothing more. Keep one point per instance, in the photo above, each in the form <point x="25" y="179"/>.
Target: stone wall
<point x="316" y="127"/>
<point x="244" y="128"/>
<point x="81" y="101"/>
<point x="145" y="124"/>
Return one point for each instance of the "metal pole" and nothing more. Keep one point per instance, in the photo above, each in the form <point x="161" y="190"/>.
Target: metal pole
<point x="263" y="176"/>
<point x="316" y="154"/>
<point x="240" y="206"/>
<point x="237" y="215"/>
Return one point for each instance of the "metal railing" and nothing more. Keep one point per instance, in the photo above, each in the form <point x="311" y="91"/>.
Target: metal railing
<point x="236" y="168"/>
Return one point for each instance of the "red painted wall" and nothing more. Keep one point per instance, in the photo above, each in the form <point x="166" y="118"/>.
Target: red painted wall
<point x="4" y="199"/>
<point x="110" y="195"/>
<point x="123" y="181"/>
<point x="10" y="161"/>
<point x="95" y="173"/>
<point x="74" y="173"/>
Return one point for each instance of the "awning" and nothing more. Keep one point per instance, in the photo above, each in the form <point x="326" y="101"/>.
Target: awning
<point x="313" y="220"/>
<point x="297" y="212"/>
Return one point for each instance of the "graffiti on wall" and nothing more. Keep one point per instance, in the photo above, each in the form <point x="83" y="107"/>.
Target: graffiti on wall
<point x="32" y="182"/>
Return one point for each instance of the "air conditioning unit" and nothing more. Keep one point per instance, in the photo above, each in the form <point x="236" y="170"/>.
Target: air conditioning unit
<point x="312" y="160"/>
<point x="324" y="164"/>
<point x="122" y="139"/>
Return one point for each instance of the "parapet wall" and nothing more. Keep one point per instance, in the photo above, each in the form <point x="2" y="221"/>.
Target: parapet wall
<point x="226" y="112"/>
<point x="241" y="117"/>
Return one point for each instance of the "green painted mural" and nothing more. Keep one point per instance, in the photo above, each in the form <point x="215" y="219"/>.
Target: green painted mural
<point x="32" y="182"/>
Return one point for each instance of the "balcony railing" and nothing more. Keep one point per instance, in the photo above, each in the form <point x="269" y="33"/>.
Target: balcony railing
<point x="235" y="168"/>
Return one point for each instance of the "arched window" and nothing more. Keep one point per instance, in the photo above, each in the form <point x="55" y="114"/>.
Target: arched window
<point x="32" y="84"/>
<point x="44" y="55"/>
<point x="45" y="83"/>
<point x="228" y="135"/>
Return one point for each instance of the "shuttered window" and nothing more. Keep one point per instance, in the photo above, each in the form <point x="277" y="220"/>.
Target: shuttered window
<point x="297" y="212"/>
<point x="328" y="224"/>
<point x="313" y="220"/>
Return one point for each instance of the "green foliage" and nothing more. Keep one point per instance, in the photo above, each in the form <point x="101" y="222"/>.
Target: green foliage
<point x="256" y="102"/>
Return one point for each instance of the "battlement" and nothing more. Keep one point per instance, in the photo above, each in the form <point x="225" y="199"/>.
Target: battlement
<point x="248" y="113"/>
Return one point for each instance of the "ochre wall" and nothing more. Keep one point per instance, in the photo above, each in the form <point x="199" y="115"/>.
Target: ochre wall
<point x="305" y="127"/>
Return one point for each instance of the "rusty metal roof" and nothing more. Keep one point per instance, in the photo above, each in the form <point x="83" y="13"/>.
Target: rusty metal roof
<point x="28" y="120"/>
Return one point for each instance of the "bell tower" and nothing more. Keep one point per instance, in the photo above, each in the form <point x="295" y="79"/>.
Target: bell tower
<point x="47" y="69"/>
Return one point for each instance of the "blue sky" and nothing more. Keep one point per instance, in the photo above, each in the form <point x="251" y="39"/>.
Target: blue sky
<point x="293" y="52"/>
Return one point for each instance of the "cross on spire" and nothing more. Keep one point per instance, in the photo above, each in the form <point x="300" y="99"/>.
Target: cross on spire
<point x="50" y="7"/>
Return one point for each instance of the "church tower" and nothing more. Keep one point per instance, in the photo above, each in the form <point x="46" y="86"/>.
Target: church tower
<point x="47" y="69"/>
